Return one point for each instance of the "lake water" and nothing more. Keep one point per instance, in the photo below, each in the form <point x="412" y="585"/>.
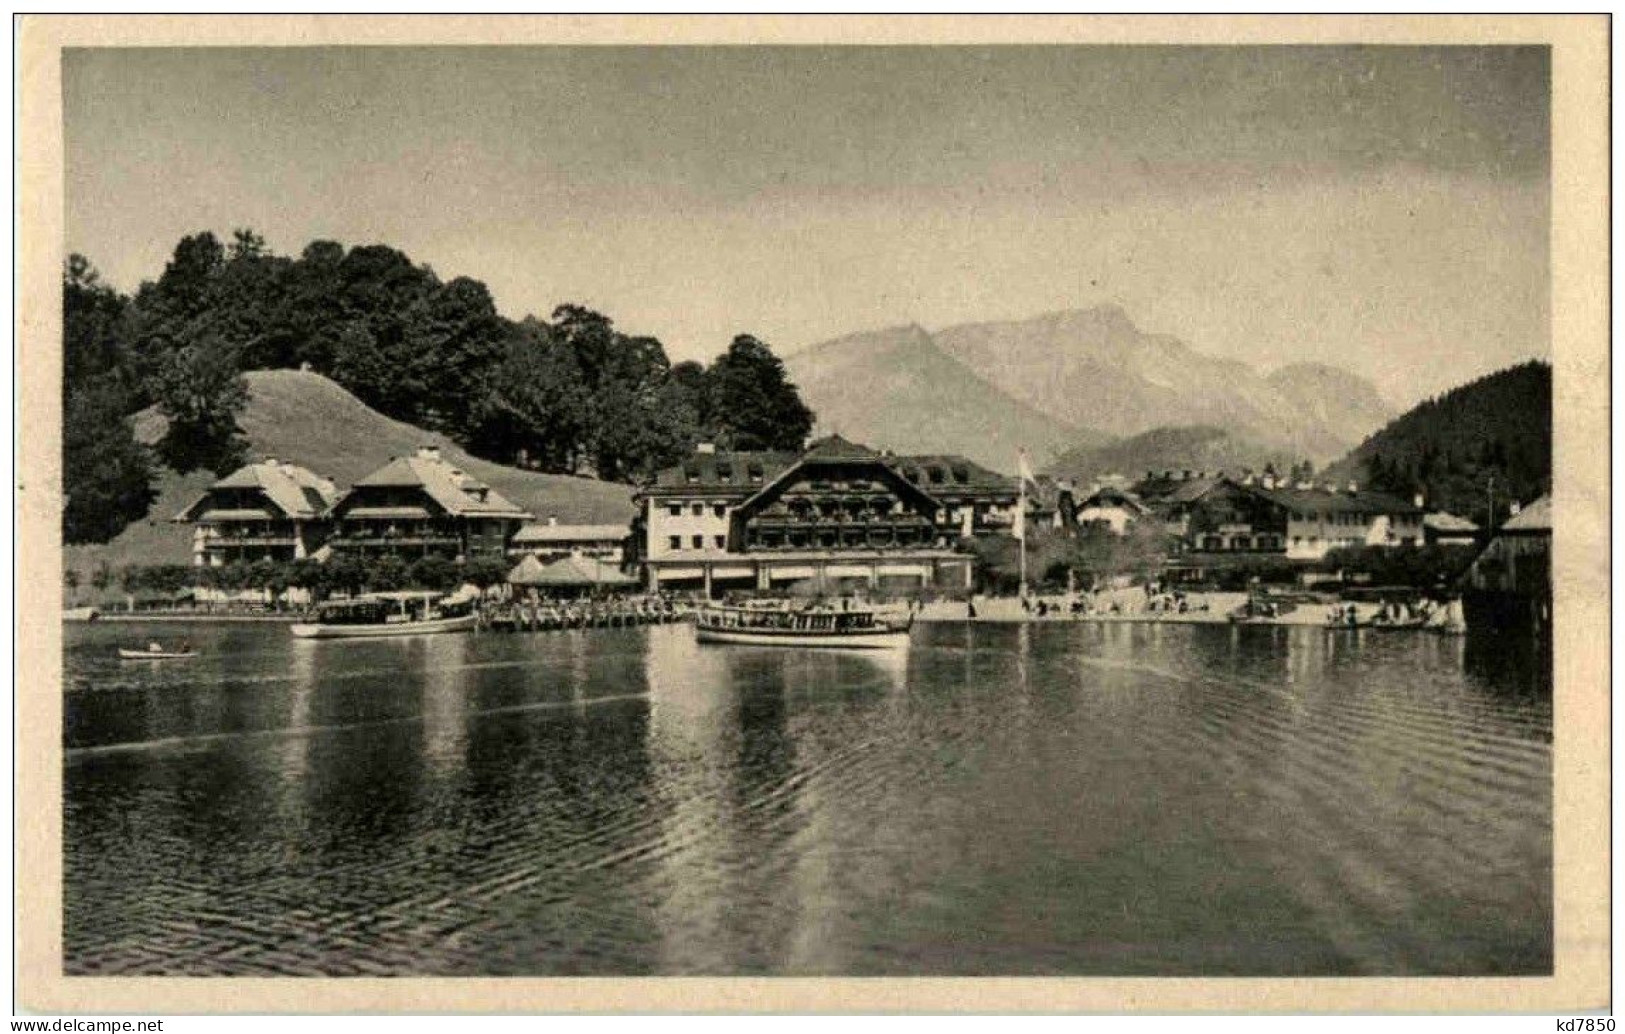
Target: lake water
<point x="1001" y="799"/>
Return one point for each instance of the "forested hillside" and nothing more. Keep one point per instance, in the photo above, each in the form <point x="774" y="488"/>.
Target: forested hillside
<point x="1488" y="438"/>
<point x="571" y="394"/>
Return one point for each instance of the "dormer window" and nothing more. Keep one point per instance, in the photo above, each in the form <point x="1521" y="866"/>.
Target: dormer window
<point x="961" y="474"/>
<point x="725" y="472"/>
<point x="935" y="475"/>
<point x="692" y="473"/>
<point x="754" y="471"/>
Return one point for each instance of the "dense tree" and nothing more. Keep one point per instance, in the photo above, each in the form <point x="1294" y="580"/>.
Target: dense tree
<point x="106" y="474"/>
<point x="200" y="390"/>
<point x="1479" y="446"/>
<point x="93" y="331"/>
<point x="433" y="572"/>
<point x="751" y="403"/>
<point x="386" y="574"/>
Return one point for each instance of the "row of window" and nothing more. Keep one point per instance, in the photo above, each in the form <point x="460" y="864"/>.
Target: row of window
<point x="675" y="542"/>
<point x="697" y="509"/>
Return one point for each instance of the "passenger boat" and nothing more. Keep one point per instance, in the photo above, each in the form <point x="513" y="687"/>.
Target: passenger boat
<point x="852" y="627"/>
<point x="390" y="614"/>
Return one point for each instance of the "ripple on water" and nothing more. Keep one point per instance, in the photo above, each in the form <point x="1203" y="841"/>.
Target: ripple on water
<point x="1060" y="799"/>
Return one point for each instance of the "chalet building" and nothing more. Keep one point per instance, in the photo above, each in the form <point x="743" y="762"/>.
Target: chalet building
<point x="1446" y="529"/>
<point x="1297" y="522"/>
<point x="1112" y="508"/>
<point x="415" y="506"/>
<point x="839" y="516"/>
<point x="266" y="510"/>
<point x="550" y="540"/>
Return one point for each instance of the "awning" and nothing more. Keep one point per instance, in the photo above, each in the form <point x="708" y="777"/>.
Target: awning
<point x="569" y="572"/>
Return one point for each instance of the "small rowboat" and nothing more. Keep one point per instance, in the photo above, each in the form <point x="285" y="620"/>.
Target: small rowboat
<point x="155" y="655"/>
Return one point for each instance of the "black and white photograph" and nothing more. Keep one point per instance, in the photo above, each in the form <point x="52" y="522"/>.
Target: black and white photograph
<point x="810" y="509"/>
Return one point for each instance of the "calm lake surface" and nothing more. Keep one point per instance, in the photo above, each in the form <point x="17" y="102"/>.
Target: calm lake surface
<point x="1055" y="799"/>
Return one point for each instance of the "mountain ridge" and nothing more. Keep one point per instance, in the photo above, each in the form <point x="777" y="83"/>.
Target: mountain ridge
<point x="1095" y="370"/>
<point x="894" y="388"/>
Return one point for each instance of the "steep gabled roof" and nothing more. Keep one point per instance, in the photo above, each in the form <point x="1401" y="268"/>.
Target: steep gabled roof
<point x="1532" y="519"/>
<point x="456" y="492"/>
<point x="292" y="489"/>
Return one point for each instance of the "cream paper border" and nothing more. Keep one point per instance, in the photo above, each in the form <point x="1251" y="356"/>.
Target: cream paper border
<point x="1580" y="342"/>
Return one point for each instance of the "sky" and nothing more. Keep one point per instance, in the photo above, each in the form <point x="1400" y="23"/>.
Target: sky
<point x="1385" y="209"/>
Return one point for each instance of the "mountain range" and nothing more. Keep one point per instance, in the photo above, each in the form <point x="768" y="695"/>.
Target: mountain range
<point x="1071" y="380"/>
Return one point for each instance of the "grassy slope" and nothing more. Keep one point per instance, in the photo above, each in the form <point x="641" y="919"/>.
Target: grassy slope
<point x="305" y="418"/>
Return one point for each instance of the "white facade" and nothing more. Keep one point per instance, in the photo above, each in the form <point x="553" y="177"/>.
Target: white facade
<point x="678" y="527"/>
<point x="1310" y="536"/>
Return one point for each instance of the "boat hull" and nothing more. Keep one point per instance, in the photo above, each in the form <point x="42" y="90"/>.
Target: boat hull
<point x="304" y="630"/>
<point x="864" y="639"/>
<point x="150" y="655"/>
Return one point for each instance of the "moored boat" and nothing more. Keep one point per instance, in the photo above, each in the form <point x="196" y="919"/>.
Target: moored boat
<point x="386" y="614"/>
<point x="860" y="628"/>
<point x="80" y="614"/>
<point x="150" y="654"/>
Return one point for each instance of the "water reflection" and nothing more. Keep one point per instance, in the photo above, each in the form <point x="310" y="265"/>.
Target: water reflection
<point x="1064" y="798"/>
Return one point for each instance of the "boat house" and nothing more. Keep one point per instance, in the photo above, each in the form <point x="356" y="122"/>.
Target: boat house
<point x="836" y="517"/>
<point x="421" y="505"/>
<point x="265" y="510"/>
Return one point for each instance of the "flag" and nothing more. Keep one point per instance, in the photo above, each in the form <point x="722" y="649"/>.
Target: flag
<point x="1024" y="472"/>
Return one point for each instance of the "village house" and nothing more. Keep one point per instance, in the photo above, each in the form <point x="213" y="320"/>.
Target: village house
<point x="263" y="511"/>
<point x="421" y="505"/>
<point x="1299" y="521"/>
<point x="549" y="540"/>
<point x="1446" y="529"/>
<point x="1509" y="585"/>
<point x="839" y="516"/>
<point x="1112" y="508"/>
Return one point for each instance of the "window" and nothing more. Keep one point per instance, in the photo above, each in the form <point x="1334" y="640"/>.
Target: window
<point x="675" y="509"/>
<point x="675" y="542"/>
<point x="719" y="509"/>
<point x="699" y="541"/>
<point x="699" y="509"/>
<point x="934" y="474"/>
<point x="724" y="472"/>
<point x="692" y="472"/>
<point x="755" y="471"/>
<point x="721" y="541"/>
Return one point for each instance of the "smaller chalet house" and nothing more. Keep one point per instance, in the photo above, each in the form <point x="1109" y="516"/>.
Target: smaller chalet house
<point x="266" y="510"/>
<point x="419" y="505"/>
<point x="1112" y="508"/>
<point x="1299" y="522"/>
<point x="552" y="540"/>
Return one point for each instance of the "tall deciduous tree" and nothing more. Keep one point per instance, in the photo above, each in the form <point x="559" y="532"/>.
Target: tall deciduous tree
<point x="751" y="401"/>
